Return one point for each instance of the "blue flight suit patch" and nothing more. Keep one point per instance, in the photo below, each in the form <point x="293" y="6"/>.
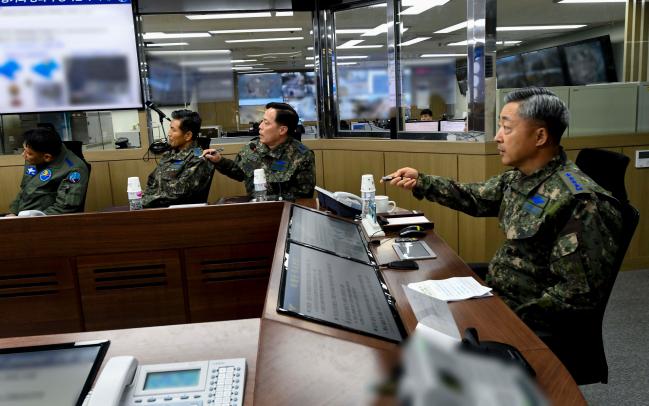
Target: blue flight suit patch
<point x="198" y="152"/>
<point x="45" y="175"/>
<point x="74" y="177"/>
<point x="31" y="170"/>
<point x="532" y="209"/>
<point x="278" y="166"/>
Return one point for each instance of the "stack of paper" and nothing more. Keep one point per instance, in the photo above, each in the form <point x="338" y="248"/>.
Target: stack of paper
<point x="458" y="288"/>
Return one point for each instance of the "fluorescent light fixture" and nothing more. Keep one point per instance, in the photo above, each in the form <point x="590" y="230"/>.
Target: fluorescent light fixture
<point x="214" y="69"/>
<point x="275" y="53"/>
<point x="161" y="35"/>
<point x="254" y="30"/>
<point x="441" y="55"/>
<point x="346" y="63"/>
<point x="309" y="58"/>
<point x="413" y="41"/>
<point x="309" y="65"/>
<point x="591" y="1"/>
<point x="379" y="5"/>
<point x="465" y="43"/>
<point x="167" y="44"/>
<point x="540" y="27"/>
<point x="284" y="14"/>
<point x="309" y="48"/>
<point x="250" y="64"/>
<point x="351" y="31"/>
<point x="352" y="57"/>
<point x="422" y="5"/>
<point x="215" y="62"/>
<point x="242" y="68"/>
<point x="234" y="41"/>
<point x="224" y="16"/>
<point x="350" y="44"/>
<point x="380" y="29"/>
<point x="453" y="28"/>
<point x="197" y="52"/>
<point x="363" y="47"/>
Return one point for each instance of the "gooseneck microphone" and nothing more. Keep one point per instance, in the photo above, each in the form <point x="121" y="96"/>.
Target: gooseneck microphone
<point x="151" y="105"/>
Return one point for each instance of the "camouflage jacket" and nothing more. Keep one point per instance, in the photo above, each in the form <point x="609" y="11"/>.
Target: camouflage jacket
<point x="181" y="177"/>
<point x="290" y="168"/>
<point x="560" y="229"/>
<point x="55" y="188"/>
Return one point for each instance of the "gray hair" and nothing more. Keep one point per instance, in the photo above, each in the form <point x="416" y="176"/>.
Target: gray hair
<point x="542" y="105"/>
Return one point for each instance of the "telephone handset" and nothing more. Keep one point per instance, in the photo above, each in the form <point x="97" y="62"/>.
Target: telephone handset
<point x="349" y="199"/>
<point x="116" y="376"/>
<point x="124" y="383"/>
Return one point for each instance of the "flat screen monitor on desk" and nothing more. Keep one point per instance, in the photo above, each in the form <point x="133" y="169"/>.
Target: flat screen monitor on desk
<point x="59" y="374"/>
<point x="456" y="126"/>
<point x="422" y="126"/>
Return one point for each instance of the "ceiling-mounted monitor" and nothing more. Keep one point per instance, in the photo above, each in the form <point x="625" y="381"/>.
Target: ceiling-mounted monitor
<point x="68" y="55"/>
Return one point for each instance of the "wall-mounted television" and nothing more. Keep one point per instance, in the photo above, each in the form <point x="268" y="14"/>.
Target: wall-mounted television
<point x="577" y="63"/>
<point x="67" y="56"/>
<point x="170" y="84"/>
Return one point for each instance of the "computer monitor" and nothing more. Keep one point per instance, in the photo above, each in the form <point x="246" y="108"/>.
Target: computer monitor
<point x="58" y="374"/>
<point x="422" y="126"/>
<point x="456" y="126"/>
<point x="360" y="127"/>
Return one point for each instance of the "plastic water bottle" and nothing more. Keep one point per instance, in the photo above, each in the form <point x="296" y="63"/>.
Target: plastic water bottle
<point x="134" y="191"/>
<point x="368" y="194"/>
<point x="259" y="194"/>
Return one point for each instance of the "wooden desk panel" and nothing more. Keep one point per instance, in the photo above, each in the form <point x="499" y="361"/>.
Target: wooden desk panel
<point x="179" y="343"/>
<point x="37" y="294"/>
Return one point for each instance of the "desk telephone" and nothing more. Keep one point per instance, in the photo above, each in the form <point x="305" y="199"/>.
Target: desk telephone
<point x="349" y="199"/>
<point x="198" y="383"/>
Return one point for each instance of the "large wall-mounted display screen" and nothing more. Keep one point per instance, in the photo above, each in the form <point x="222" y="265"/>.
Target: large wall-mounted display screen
<point x="67" y="55"/>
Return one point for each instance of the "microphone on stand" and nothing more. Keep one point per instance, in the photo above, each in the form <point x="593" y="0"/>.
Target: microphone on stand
<point x="151" y="105"/>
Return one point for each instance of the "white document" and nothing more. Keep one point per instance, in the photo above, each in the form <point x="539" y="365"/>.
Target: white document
<point x="451" y="289"/>
<point x="406" y="221"/>
<point x="434" y="316"/>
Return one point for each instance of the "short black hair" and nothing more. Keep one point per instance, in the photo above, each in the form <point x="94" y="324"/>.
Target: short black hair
<point x="43" y="140"/>
<point x="425" y="111"/>
<point x="545" y="107"/>
<point x="189" y="121"/>
<point x="286" y="115"/>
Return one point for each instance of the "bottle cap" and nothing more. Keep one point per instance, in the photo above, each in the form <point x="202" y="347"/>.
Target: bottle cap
<point x="260" y="177"/>
<point x="367" y="183"/>
<point x="134" y="184"/>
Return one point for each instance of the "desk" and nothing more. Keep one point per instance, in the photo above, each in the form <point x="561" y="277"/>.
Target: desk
<point x="177" y="343"/>
<point x="327" y="366"/>
<point x="297" y="361"/>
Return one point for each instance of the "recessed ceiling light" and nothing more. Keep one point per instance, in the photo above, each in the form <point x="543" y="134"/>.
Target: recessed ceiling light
<point x="196" y="52"/>
<point x="234" y="41"/>
<point x="275" y="53"/>
<point x="284" y="14"/>
<point x="254" y="30"/>
<point x="224" y="16"/>
<point x="540" y="27"/>
<point x="162" y="35"/>
<point x="167" y="44"/>
<point x="351" y="30"/>
<point x="309" y="65"/>
<point x="422" y="6"/>
<point x="352" y="57"/>
<point x="452" y="28"/>
<point x="465" y="43"/>
<point x="413" y="41"/>
<point x="346" y="63"/>
<point x="441" y="55"/>
<point x="215" y="62"/>
<point x="591" y="1"/>
<point x="350" y="43"/>
<point x="380" y="29"/>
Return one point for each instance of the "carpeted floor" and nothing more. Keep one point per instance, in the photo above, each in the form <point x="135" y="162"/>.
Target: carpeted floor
<point x="626" y="341"/>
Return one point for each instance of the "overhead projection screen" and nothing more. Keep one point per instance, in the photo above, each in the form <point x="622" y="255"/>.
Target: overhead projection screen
<point x="68" y="55"/>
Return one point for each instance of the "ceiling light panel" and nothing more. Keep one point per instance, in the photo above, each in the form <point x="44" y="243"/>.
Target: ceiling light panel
<point x="235" y="41"/>
<point x="255" y="30"/>
<point x="162" y="35"/>
<point x="453" y="28"/>
<point x="225" y="16"/>
<point x="540" y="27"/>
<point x="413" y="41"/>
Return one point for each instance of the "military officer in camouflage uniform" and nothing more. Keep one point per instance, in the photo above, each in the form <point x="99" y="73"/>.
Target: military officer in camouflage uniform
<point x="289" y="164"/>
<point x="181" y="176"/>
<point x="560" y="226"/>
<point x="54" y="179"/>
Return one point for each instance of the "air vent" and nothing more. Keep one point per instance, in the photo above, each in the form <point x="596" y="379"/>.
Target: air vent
<point x="232" y="269"/>
<point x="130" y="277"/>
<point x="34" y="284"/>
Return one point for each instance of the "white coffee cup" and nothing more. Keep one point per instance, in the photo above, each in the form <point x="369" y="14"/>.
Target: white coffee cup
<point x="384" y="205"/>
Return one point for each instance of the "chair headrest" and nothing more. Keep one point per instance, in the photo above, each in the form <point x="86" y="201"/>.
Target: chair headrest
<point x="607" y="168"/>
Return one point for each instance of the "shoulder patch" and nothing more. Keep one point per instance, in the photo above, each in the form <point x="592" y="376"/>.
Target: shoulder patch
<point x="574" y="184"/>
<point x="31" y="170"/>
<point x="198" y="152"/>
<point x="45" y="175"/>
<point x="301" y="147"/>
<point x="74" y="177"/>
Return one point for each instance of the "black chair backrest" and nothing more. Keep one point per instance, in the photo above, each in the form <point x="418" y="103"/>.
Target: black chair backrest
<point x="201" y="196"/>
<point x="607" y="168"/>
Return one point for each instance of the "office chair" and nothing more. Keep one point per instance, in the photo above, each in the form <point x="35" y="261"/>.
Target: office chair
<point x="202" y="195"/>
<point x="75" y="147"/>
<point x="581" y="347"/>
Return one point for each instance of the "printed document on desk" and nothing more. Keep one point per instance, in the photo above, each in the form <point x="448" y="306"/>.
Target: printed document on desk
<point x="451" y="289"/>
<point x="434" y="317"/>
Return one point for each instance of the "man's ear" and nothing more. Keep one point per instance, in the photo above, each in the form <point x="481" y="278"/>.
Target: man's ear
<point x="542" y="137"/>
<point x="188" y="135"/>
<point x="283" y="130"/>
<point x="47" y="157"/>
